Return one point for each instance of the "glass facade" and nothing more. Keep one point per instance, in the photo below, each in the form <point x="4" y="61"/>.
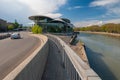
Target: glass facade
<point x="52" y="25"/>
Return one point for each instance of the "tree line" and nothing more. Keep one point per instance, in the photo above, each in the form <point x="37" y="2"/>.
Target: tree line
<point x="9" y="26"/>
<point x="13" y="26"/>
<point x="109" y="27"/>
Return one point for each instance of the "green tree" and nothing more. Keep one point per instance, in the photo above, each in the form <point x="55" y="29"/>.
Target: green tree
<point x="10" y="27"/>
<point x="36" y="29"/>
<point x="103" y="28"/>
<point x="109" y="27"/>
<point x="76" y="29"/>
<point x="118" y="28"/>
<point x="93" y="28"/>
<point x="16" y="24"/>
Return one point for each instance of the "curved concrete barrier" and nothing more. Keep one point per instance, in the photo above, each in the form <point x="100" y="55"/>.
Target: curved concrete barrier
<point x="75" y="67"/>
<point x="32" y="67"/>
<point x="3" y="36"/>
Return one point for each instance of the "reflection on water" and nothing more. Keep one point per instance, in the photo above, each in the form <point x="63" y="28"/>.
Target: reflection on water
<point x="104" y="54"/>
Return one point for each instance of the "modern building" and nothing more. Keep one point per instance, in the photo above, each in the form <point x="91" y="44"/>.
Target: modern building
<point x="3" y="25"/>
<point x="49" y="24"/>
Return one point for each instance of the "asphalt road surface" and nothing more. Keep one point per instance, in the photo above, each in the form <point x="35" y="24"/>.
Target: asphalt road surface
<point x="13" y="52"/>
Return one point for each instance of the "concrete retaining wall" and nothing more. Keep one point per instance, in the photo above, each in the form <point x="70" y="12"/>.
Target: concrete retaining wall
<point x="75" y="67"/>
<point x="3" y="36"/>
<point x="32" y="68"/>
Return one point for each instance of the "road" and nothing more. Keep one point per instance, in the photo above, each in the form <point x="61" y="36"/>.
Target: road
<point x="13" y="52"/>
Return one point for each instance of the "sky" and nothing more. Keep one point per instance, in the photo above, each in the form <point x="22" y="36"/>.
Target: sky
<point x="80" y="12"/>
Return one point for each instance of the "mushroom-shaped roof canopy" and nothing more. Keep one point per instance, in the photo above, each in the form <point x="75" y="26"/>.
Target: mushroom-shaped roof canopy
<point x="66" y="20"/>
<point x="58" y="21"/>
<point x="39" y="17"/>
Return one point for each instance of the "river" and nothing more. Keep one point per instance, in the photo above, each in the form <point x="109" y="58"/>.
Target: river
<point x="103" y="53"/>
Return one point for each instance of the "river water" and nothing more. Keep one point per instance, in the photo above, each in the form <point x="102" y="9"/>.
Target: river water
<point x="103" y="53"/>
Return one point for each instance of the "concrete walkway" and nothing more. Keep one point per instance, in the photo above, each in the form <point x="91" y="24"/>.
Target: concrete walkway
<point x="54" y="69"/>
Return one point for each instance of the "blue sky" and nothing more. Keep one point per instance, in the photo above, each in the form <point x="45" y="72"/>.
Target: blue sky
<point x="80" y="12"/>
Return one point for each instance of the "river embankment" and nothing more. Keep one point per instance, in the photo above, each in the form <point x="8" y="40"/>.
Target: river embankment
<point x="103" y="53"/>
<point x="103" y="33"/>
<point x="78" y="47"/>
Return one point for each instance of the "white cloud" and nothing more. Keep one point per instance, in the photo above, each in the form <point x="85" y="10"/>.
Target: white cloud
<point x="112" y="21"/>
<point x="103" y="2"/>
<point x="88" y="23"/>
<point x="44" y="6"/>
<point x="11" y="7"/>
<point x="112" y="7"/>
<point x="95" y="22"/>
<point x="54" y="15"/>
<point x="75" y="7"/>
<point x="21" y="9"/>
<point x="113" y="10"/>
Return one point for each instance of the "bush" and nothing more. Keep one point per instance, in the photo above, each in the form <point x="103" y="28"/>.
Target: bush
<point x="16" y="24"/>
<point x="10" y="27"/>
<point x="36" y="29"/>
